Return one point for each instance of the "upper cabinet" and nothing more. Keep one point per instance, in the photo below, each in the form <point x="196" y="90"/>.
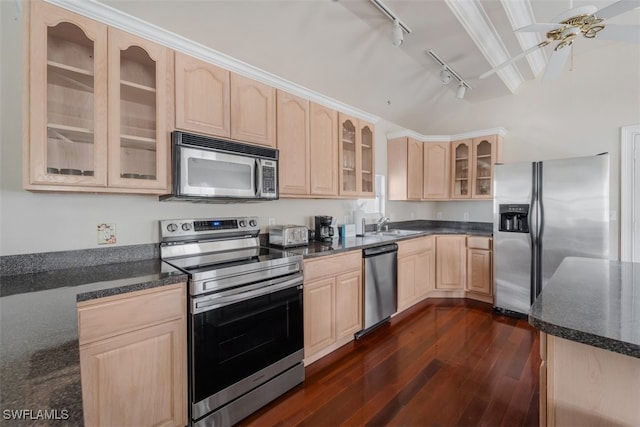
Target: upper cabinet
<point x="293" y="144"/>
<point x="202" y="97"/>
<point x="77" y="141"/>
<point x="323" y="139"/>
<point x="472" y="163"/>
<point x="356" y="157"/>
<point x="436" y="171"/>
<point x="214" y="101"/>
<point x="404" y="168"/>
<point x="253" y="111"/>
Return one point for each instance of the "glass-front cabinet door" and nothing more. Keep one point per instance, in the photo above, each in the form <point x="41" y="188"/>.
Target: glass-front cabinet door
<point x="460" y="169"/>
<point x="138" y="132"/>
<point x="367" y="172"/>
<point x="67" y="99"/>
<point x="484" y="156"/>
<point x="348" y="155"/>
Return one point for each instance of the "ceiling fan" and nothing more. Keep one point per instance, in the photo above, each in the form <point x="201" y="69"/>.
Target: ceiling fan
<point x="587" y="21"/>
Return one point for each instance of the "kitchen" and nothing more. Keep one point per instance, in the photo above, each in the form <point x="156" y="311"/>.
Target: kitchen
<point x="536" y="118"/>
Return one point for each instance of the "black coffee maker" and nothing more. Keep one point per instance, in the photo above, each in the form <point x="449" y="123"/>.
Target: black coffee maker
<point x="325" y="228"/>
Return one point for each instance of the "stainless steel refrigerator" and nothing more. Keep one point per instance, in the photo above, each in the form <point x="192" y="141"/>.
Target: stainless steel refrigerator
<point x="544" y="212"/>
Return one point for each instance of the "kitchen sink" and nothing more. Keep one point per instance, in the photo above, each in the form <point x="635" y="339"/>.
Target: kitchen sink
<point x="393" y="233"/>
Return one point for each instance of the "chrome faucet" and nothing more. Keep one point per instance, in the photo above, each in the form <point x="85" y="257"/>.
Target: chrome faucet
<point x="383" y="221"/>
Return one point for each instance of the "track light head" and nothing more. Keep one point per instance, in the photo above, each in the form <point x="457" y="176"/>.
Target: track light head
<point x="445" y="76"/>
<point x="462" y="89"/>
<point x="396" y="34"/>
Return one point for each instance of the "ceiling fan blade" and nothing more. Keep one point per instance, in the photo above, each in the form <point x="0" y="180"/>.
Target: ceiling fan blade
<point x="538" y="28"/>
<point x="511" y="60"/>
<point x="621" y="33"/>
<point x="617" y="8"/>
<point x="556" y="63"/>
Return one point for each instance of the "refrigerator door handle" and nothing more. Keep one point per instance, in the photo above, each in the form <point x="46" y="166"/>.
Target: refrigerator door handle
<point x="534" y="218"/>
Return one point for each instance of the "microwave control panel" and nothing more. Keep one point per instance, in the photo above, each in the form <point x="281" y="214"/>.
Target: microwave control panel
<point x="268" y="179"/>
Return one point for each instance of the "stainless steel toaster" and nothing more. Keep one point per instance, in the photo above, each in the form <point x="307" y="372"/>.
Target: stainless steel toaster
<point x="288" y="235"/>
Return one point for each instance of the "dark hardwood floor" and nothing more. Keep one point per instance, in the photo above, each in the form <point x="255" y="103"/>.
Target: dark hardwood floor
<point x="444" y="362"/>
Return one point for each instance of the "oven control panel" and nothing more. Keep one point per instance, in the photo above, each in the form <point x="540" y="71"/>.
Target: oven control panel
<point x="185" y="228"/>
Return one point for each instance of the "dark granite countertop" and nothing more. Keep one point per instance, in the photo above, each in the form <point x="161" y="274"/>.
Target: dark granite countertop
<point x="39" y="351"/>
<point x="422" y="227"/>
<point x="592" y="301"/>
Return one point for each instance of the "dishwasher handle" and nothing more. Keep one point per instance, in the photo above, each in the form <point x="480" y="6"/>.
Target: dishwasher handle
<point x="379" y="250"/>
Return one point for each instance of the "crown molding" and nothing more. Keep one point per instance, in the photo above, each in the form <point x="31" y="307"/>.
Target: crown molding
<point x="446" y="138"/>
<point x="106" y="14"/>
<point x="475" y="21"/>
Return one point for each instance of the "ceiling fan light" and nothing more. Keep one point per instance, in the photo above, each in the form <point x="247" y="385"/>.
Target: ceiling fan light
<point x="462" y="89"/>
<point x="396" y="34"/>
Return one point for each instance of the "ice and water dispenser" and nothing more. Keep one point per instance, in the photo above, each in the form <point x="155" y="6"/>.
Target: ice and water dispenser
<point x="514" y="218"/>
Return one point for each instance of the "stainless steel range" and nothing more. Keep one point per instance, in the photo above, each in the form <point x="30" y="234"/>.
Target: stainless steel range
<point x="245" y="323"/>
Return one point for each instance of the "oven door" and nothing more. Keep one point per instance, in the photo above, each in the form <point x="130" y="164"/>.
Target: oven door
<point x="205" y="173"/>
<point x="243" y="337"/>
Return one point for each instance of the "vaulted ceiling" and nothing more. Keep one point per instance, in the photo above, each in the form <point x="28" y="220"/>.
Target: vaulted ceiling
<point x="343" y="48"/>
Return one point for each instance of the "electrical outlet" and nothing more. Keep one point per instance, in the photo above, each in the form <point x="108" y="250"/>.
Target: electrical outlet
<point x="272" y="221"/>
<point x="439" y="215"/>
<point x="466" y="216"/>
<point x="106" y="234"/>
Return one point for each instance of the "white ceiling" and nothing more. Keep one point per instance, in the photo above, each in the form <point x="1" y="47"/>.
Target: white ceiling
<point x="343" y="48"/>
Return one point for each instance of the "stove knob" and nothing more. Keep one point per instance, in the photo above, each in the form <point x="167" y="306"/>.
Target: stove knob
<point x="172" y="227"/>
<point x="243" y="223"/>
<point x="253" y="223"/>
<point x="186" y="226"/>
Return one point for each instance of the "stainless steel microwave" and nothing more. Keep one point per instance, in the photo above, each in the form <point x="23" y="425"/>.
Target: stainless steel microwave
<point x="207" y="169"/>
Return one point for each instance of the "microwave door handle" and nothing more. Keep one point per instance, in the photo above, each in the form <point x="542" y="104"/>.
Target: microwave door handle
<point x="257" y="176"/>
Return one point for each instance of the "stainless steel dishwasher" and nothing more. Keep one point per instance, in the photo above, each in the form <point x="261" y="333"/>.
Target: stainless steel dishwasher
<point x="380" y="285"/>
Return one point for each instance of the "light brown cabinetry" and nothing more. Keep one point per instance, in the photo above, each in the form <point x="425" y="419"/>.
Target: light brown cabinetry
<point x="479" y="266"/>
<point x="323" y="140"/>
<point x="472" y="163"/>
<point x="253" y="111"/>
<point x="416" y="270"/>
<point x="133" y="358"/>
<point x="404" y="168"/>
<point x="436" y="172"/>
<point x="451" y="265"/>
<point x="293" y="143"/>
<point x="202" y="96"/>
<point x="356" y="157"/>
<point x="582" y="385"/>
<point x="332" y="303"/>
<point x="97" y="107"/>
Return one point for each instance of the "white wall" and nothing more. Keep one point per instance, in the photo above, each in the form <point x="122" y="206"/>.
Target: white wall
<point x="579" y="114"/>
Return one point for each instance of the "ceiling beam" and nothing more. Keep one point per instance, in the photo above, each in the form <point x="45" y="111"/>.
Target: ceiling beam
<point x="520" y="15"/>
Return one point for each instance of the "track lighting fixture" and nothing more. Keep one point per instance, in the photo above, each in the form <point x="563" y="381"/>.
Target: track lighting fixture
<point x="397" y="35"/>
<point x="447" y="74"/>
<point x="461" y="91"/>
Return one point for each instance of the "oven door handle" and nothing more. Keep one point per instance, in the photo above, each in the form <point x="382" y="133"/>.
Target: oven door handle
<point x="221" y="299"/>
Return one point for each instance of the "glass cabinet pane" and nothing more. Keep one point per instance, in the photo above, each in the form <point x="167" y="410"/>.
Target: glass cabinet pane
<point x="137" y="114"/>
<point x="483" y="168"/>
<point x="461" y="185"/>
<point x="70" y="101"/>
<point x="348" y="147"/>
<point x="366" y="139"/>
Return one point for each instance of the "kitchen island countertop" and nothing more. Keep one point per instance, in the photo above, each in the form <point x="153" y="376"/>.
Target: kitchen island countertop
<point x="594" y="302"/>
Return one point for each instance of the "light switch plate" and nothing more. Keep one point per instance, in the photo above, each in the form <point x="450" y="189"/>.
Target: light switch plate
<point x="106" y="234"/>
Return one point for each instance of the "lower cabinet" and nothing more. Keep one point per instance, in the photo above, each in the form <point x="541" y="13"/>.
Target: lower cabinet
<point x="479" y="277"/>
<point x="416" y="270"/>
<point x="332" y="303"/>
<point x="451" y="265"/>
<point x="133" y="362"/>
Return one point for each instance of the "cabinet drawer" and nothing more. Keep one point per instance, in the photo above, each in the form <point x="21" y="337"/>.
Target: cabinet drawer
<point x="332" y="265"/>
<point x="420" y="244"/>
<point x="475" y="242"/>
<point x="109" y="316"/>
